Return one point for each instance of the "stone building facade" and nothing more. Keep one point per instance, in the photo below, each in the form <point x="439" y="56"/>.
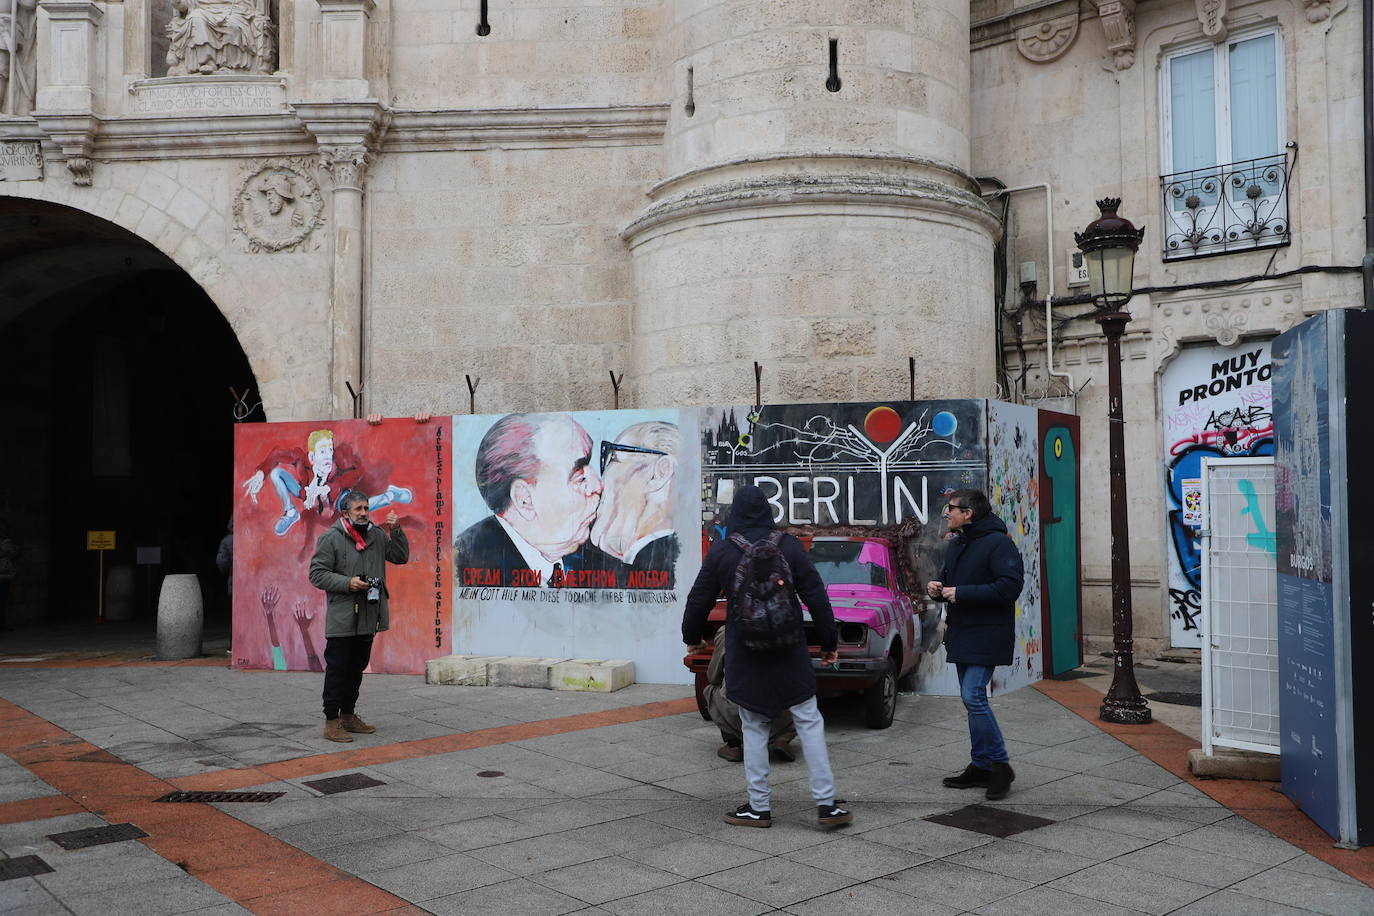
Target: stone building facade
<point x="387" y="198"/>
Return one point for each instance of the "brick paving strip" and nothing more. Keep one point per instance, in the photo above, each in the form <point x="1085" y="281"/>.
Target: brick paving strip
<point x="247" y="865"/>
<point x="1261" y="803"/>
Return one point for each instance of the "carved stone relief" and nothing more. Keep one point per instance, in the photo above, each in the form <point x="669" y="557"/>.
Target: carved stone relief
<point x="1212" y="15"/>
<point x="1317" y="10"/>
<point x="1048" y="40"/>
<point x="18" y="40"/>
<point x="278" y="207"/>
<point x="346" y="165"/>
<point x="1118" y="26"/>
<point x="217" y="36"/>
<point x="1223" y="317"/>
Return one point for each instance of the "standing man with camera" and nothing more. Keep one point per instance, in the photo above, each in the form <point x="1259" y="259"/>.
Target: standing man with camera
<point x="349" y="566"/>
<point x="981" y="580"/>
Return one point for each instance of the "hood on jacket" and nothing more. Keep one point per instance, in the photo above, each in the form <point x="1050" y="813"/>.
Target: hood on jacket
<point x="750" y="510"/>
<point x="988" y="524"/>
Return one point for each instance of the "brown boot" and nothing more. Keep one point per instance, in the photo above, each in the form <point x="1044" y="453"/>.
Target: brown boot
<point x="352" y="723"/>
<point x="334" y="731"/>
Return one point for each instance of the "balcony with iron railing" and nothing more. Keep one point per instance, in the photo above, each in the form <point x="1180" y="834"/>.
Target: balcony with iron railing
<point x="1226" y="208"/>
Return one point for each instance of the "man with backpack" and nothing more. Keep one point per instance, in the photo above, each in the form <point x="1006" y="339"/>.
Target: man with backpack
<point x="767" y="663"/>
<point x="981" y="580"/>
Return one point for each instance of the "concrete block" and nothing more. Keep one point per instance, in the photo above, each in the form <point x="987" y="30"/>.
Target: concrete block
<point x="521" y="671"/>
<point x="592" y="675"/>
<point x="463" y="670"/>
<point x="1231" y="763"/>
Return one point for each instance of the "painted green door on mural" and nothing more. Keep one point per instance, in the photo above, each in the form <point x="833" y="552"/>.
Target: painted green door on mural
<point x="1059" y="544"/>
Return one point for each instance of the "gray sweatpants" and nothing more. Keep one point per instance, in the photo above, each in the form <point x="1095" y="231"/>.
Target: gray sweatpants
<point x="811" y="732"/>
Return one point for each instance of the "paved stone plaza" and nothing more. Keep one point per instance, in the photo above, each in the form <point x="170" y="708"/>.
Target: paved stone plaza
<point x="513" y="801"/>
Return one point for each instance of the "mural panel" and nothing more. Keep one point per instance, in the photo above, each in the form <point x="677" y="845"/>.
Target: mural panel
<point x="291" y="480"/>
<point x="576" y="535"/>
<point x="852" y="468"/>
<point x="1014" y="489"/>
<point x="1216" y="403"/>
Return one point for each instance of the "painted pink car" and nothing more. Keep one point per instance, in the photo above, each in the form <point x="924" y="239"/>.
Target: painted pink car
<point x="881" y="634"/>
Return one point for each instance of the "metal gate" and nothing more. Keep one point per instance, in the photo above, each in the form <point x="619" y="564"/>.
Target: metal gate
<point x="1240" y="682"/>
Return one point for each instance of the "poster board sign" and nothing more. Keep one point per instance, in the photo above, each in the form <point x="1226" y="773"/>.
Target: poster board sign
<point x="290" y="482"/>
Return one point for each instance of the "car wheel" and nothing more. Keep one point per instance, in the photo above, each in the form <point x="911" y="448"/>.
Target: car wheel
<point x="880" y="700"/>
<point x="701" y="697"/>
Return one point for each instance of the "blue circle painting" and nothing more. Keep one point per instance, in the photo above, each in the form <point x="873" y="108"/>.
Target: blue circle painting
<point x="944" y="424"/>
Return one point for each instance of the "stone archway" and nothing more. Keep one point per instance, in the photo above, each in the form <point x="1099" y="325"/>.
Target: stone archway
<point x="116" y="401"/>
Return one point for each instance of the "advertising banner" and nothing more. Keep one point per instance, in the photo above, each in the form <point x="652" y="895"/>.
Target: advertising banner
<point x="291" y="479"/>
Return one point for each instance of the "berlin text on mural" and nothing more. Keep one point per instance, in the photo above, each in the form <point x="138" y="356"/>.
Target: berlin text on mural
<point x="825" y="500"/>
<point x="1228" y="375"/>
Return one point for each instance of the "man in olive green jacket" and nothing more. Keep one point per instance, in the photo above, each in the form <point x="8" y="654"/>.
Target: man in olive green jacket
<point x="350" y="567"/>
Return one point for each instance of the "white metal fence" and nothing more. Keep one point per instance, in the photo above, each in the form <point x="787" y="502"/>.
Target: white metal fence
<point x="1240" y="683"/>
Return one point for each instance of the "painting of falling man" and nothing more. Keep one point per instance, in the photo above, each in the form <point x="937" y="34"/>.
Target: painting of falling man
<point x="291" y="482"/>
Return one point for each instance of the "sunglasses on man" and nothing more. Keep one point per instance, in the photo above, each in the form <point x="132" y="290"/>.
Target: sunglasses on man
<point x="950" y="506"/>
<point x="608" y="450"/>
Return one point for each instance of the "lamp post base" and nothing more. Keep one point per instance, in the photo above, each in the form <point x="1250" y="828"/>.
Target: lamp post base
<point x="1125" y="714"/>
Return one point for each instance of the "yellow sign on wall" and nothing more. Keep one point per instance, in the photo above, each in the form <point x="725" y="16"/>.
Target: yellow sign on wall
<point x="100" y="540"/>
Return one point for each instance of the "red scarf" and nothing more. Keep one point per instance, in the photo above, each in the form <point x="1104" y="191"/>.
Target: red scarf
<point x="357" y="535"/>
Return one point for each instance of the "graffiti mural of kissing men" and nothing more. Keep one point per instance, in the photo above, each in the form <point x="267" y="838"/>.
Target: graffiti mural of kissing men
<point x="633" y="536"/>
<point x="535" y="473"/>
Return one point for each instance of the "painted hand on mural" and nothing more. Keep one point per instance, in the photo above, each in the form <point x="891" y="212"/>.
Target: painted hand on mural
<point x="253" y="485"/>
<point x="303" y="618"/>
<point x="269" y="598"/>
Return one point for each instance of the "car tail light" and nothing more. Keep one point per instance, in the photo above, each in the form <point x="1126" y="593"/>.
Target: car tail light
<point x="853" y="633"/>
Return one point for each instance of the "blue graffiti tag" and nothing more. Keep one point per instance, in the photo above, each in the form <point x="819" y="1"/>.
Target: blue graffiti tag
<point x="1261" y="537"/>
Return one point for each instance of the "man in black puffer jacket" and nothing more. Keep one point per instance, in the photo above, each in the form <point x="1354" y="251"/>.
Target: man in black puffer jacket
<point x="981" y="580"/>
<point x="764" y="684"/>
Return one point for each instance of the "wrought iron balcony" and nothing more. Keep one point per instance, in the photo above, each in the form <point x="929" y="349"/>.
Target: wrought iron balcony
<point x="1226" y="208"/>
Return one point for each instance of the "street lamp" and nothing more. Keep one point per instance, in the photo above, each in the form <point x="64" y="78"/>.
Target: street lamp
<point x="1109" y="245"/>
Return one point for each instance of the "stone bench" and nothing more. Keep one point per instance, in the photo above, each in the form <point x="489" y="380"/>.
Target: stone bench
<point x="586" y="674"/>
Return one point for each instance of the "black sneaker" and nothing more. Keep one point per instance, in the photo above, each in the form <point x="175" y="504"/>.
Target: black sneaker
<point x="1000" y="780"/>
<point x="972" y="778"/>
<point x="745" y="816"/>
<point x="832" y="816"/>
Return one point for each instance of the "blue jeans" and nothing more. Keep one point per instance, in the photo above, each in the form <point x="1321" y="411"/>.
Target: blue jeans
<point x="985" y="738"/>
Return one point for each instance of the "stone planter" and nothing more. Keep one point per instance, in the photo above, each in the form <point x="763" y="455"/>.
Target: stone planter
<point x="180" y="617"/>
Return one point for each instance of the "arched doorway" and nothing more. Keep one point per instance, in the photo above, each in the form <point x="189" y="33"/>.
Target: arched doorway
<point x="116" y="403"/>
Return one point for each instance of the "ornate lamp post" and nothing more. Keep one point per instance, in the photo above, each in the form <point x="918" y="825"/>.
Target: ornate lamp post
<point x="1109" y="245"/>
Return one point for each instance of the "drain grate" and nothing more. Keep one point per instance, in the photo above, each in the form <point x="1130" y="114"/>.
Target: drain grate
<point x="991" y="821"/>
<point x="208" y="797"/>
<point x="1175" y="698"/>
<point x="489" y="774"/>
<point x="23" y="867"/>
<point x="96" y="836"/>
<point x="333" y="785"/>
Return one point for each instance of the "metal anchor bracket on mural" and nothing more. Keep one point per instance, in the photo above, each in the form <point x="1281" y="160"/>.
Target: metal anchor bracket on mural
<point x="911" y="375"/>
<point x="357" y="397"/>
<point x="615" y="388"/>
<point x="242" y="409"/>
<point x="472" y="392"/>
<point x="758" y="385"/>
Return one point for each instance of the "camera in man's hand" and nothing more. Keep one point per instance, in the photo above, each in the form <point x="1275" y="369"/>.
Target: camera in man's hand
<point x="374" y="587"/>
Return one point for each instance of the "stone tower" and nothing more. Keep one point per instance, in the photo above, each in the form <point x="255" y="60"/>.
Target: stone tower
<point x="817" y="215"/>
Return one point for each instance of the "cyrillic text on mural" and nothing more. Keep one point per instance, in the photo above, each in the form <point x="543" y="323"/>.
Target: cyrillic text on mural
<point x="1118" y="27"/>
<point x="1049" y="39"/>
<point x="278" y="207"/>
<point x="1212" y="15"/>
<point x="217" y="36"/>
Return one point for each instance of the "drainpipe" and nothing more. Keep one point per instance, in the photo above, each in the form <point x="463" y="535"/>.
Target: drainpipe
<point x="1367" y="264"/>
<point x="1049" y="269"/>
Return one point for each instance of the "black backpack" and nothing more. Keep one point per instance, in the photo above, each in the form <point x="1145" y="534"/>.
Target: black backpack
<point x="760" y="605"/>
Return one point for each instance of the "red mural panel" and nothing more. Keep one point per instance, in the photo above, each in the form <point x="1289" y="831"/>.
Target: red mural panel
<point x="289" y="481"/>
